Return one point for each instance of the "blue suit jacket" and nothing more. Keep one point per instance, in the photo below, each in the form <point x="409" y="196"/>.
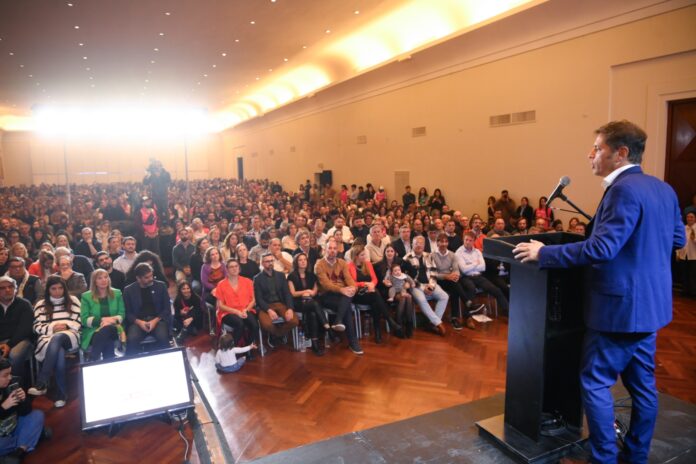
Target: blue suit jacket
<point x="628" y="251"/>
<point x="160" y="296"/>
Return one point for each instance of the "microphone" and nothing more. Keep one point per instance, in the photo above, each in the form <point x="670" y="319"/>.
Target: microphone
<point x="558" y="191"/>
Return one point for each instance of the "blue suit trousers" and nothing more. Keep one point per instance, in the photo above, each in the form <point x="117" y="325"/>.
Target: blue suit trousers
<point x="606" y="356"/>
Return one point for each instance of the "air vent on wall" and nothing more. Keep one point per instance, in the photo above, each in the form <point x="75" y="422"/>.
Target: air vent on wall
<point x="418" y="131"/>
<point x="521" y="117"/>
<point x="362" y="139"/>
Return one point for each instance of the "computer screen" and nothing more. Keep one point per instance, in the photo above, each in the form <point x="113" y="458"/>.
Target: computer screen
<point x="130" y="388"/>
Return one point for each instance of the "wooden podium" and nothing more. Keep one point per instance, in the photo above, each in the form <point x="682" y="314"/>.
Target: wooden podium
<point x="543" y="413"/>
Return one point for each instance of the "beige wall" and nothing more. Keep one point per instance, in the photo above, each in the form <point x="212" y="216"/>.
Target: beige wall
<point x="32" y="158"/>
<point x="574" y="85"/>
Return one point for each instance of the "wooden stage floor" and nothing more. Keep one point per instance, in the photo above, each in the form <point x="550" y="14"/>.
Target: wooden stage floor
<point x="288" y="399"/>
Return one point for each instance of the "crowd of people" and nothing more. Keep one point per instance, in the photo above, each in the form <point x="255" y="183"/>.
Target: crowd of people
<point x="93" y="273"/>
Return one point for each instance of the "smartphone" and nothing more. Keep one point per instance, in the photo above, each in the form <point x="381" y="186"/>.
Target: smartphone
<point x="12" y="387"/>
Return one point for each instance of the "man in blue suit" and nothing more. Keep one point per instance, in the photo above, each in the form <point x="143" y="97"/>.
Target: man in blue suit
<point x="627" y="250"/>
<point x="148" y="310"/>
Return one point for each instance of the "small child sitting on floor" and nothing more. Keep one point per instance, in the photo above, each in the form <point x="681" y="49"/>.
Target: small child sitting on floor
<point x="226" y="357"/>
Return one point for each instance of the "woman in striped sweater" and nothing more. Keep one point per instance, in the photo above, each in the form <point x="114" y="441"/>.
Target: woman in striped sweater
<point x="57" y="325"/>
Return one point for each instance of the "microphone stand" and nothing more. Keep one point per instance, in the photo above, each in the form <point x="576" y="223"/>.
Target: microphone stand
<point x="577" y="209"/>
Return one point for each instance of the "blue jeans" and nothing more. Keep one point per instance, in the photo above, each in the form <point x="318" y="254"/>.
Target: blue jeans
<point x="606" y="356"/>
<point x="54" y="362"/>
<point x="233" y="368"/>
<point x="435" y="317"/>
<point x="26" y="435"/>
<point x="19" y="354"/>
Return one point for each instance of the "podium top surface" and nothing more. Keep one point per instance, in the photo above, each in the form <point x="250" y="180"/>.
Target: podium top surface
<point x="500" y="248"/>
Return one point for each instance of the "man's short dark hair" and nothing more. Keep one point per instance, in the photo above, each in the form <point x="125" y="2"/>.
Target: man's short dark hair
<point x="4" y="364"/>
<point x="265" y="235"/>
<point x="624" y="133"/>
<point x="125" y="239"/>
<point x="442" y="236"/>
<point x="143" y="269"/>
<point x="100" y="254"/>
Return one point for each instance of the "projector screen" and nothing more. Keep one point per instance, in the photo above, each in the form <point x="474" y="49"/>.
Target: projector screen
<point x="130" y="388"/>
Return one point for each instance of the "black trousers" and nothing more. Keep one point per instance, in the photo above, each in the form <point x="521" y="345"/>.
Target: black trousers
<point x="102" y="343"/>
<point x="136" y="335"/>
<point x="472" y="282"/>
<point x="457" y="291"/>
<point x="376" y="303"/>
<point x="313" y="318"/>
<point x="341" y="304"/>
<point x="238" y="324"/>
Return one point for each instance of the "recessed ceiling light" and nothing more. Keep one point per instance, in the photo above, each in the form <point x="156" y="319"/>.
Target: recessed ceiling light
<point x="81" y="44"/>
<point x="257" y="78"/>
<point x="161" y="34"/>
<point x="356" y="12"/>
<point x="21" y="65"/>
<point x="214" y="66"/>
<point x="91" y="78"/>
<point x="92" y="85"/>
<point x="270" y="69"/>
<point x="252" y="22"/>
<point x="88" y="69"/>
<point x="236" y="40"/>
<point x="156" y="49"/>
<point x="205" y="75"/>
<point x="84" y="57"/>
<point x="31" y="75"/>
<point x="11" y="53"/>
<point x="77" y="27"/>
<point x="304" y="46"/>
<point x="167" y="14"/>
<point x="198" y="83"/>
<point x="223" y="54"/>
<point x="152" y="61"/>
<point x="70" y="4"/>
<point x="328" y="31"/>
<point x="285" y="59"/>
<point x="147" y="80"/>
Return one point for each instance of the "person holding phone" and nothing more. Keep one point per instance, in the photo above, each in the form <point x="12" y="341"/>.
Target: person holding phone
<point x="20" y="426"/>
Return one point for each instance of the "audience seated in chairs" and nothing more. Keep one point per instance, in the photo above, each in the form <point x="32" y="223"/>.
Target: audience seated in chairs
<point x="102" y="314"/>
<point x="274" y="301"/>
<point x="363" y="274"/>
<point x="57" y="326"/>
<point x="336" y="291"/>
<point x="148" y="310"/>
<point x="419" y="265"/>
<point x="15" y="327"/>
<point x="27" y="284"/>
<point x="21" y="428"/>
<point x="236" y="307"/>
<point x="103" y="261"/>
<point x="303" y="287"/>
<point x="75" y="281"/>
<point x="213" y="271"/>
<point x="188" y="311"/>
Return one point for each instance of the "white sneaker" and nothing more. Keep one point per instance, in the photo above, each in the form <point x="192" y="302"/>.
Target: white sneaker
<point x="37" y="390"/>
<point x="59" y="403"/>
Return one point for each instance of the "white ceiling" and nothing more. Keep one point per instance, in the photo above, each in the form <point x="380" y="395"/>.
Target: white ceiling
<point x="212" y="54"/>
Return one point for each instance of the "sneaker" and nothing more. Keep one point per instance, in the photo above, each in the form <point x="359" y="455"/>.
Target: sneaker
<point x="59" y="403"/>
<point x="271" y="342"/>
<point x="456" y="325"/>
<point x="473" y="309"/>
<point x="440" y="329"/>
<point x="355" y="347"/>
<point x="338" y="327"/>
<point x="38" y="390"/>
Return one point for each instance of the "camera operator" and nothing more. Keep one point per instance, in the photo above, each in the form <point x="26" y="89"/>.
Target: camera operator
<point x="158" y="179"/>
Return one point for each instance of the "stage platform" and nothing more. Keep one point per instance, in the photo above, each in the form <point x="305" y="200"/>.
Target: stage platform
<point x="450" y="436"/>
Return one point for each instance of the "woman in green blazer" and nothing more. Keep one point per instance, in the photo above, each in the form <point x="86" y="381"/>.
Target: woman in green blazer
<point x="102" y="314"/>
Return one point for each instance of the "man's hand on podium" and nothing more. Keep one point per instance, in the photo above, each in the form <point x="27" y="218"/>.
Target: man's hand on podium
<point x="527" y="252"/>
